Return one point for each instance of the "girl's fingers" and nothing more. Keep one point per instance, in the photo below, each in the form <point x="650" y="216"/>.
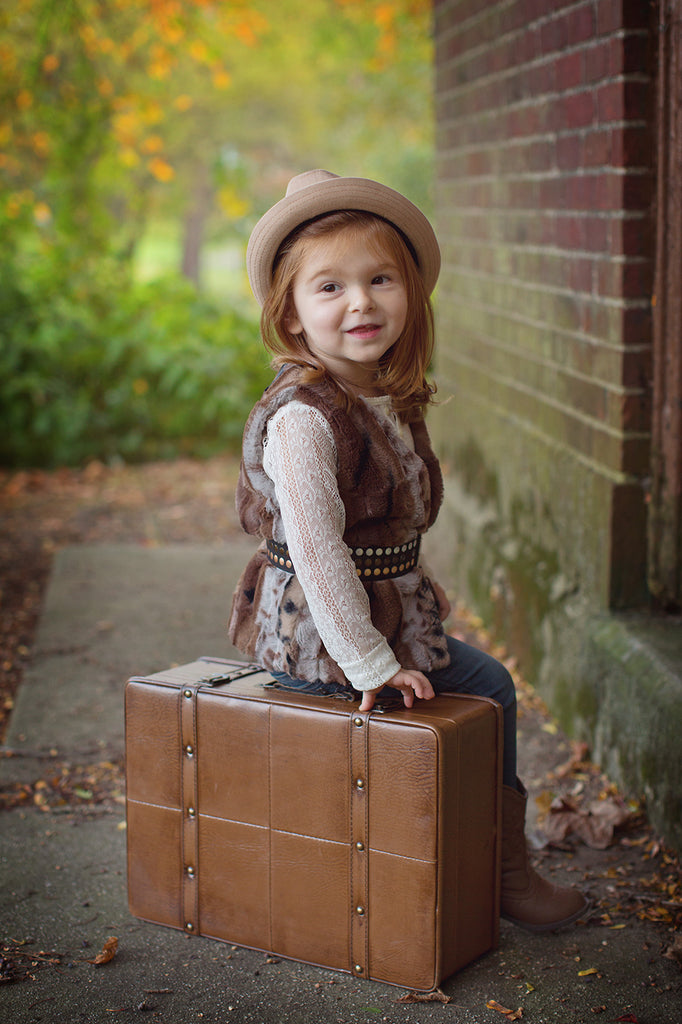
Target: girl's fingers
<point x="410" y="684"/>
<point x="368" y="699"/>
<point x="422" y="687"/>
<point x="408" y="697"/>
<point x="416" y="685"/>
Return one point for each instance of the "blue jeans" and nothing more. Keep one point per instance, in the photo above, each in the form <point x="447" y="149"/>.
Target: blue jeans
<point x="470" y="671"/>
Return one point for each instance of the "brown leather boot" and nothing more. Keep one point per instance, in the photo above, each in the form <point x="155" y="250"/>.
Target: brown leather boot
<point x="527" y="899"/>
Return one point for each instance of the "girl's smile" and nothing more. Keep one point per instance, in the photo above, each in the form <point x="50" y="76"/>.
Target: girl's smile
<point x="350" y="305"/>
<point x="365" y="331"/>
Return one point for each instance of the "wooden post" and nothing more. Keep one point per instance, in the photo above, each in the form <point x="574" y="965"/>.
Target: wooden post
<point x="665" y="520"/>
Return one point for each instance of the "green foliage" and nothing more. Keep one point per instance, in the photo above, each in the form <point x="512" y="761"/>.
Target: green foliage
<point x="100" y="371"/>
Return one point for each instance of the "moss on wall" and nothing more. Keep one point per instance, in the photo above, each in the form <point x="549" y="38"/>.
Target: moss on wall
<point x="615" y="682"/>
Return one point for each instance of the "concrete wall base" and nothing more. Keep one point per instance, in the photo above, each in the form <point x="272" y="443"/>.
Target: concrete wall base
<point x="633" y="665"/>
<point x="613" y="680"/>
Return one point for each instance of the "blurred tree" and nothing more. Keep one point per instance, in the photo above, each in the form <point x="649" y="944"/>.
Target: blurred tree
<point x="115" y="111"/>
<point x="86" y="107"/>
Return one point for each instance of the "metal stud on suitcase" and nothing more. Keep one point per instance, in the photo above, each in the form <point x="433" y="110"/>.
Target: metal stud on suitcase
<point x="360" y="841"/>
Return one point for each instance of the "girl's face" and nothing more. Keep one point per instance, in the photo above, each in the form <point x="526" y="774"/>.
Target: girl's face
<point x="350" y="305"/>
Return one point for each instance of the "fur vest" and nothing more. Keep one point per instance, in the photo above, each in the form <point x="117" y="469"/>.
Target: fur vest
<point x="390" y="493"/>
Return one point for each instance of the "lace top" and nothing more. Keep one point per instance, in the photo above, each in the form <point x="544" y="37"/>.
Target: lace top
<point x="300" y="458"/>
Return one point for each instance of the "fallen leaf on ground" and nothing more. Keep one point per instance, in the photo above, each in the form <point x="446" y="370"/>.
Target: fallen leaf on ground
<point x="107" y="953"/>
<point x="674" y="952"/>
<point x="578" y="760"/>
<point x="509" y="1014"/>
<point x="436" y="996"/>
<point x="593" y="824"/>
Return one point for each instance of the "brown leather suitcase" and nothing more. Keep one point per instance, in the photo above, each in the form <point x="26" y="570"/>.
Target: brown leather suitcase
<point x="365" y="842"/>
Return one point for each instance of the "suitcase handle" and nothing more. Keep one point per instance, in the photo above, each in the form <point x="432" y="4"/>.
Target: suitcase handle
<point x="230" y="676"/>
<point x="385" y="704"/>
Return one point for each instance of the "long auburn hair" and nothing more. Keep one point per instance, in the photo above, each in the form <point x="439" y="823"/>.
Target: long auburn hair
<point x="402" y="369"/>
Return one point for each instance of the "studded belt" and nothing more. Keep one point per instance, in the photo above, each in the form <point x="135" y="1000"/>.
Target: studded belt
<point x="370" y="563"/>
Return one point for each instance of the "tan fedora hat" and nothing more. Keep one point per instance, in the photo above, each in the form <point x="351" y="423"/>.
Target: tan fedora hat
<point x="315" y="193"/>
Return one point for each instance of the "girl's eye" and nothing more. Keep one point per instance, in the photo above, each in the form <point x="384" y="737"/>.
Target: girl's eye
<point x="380" y="279"/>
<point x="329" y="288"/>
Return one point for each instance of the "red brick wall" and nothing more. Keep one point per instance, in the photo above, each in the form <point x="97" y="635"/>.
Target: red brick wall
<point x="544" y="198"/>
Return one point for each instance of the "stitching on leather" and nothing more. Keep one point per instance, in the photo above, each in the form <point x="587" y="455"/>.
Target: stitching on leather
<point x="270" y="709"/>
<point x="351" y="842"/>
<point x="365" y="881"/>
<point x="181" y="765"/>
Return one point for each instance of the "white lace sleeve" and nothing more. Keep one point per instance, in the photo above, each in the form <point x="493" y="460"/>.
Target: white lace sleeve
<point x="300" y="458"/>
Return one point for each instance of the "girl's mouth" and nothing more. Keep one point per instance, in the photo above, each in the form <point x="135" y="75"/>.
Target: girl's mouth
<point x="365" y="330"/>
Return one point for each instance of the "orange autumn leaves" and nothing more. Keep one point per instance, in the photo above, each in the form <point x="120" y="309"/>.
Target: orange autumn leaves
<point x="115" y="92"/>
<point x="102" y="74"/>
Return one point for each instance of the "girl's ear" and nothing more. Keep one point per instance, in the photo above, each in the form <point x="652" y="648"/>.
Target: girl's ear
<point x="292" y="322"/>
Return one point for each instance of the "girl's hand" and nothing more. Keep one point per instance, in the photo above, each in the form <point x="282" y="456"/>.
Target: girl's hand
<point x="411" y="684"/>
<point x="444" y="607"/>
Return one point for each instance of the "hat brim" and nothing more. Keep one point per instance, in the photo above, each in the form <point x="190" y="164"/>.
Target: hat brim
<point x="329" y="195"/>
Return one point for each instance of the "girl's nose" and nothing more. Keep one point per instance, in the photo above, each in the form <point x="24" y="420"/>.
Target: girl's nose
<point x="361" y="299"/>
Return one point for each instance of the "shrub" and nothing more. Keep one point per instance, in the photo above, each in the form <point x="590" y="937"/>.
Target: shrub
<point x="101" y="370"/>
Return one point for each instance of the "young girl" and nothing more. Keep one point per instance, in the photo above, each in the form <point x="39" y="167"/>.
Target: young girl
<point x="339" y="481"/>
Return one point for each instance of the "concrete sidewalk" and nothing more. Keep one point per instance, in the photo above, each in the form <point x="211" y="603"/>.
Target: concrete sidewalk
<point x="116" y="611"/>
